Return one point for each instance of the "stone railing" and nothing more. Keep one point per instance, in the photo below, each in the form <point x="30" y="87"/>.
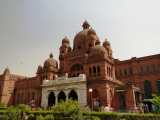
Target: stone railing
<point x="64" y="79"/>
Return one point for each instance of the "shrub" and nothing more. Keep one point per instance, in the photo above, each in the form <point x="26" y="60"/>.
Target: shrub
<point x="2" y="105"/>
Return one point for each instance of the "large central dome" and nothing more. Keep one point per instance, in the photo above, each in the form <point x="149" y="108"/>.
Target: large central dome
<point x="80" y="38"/>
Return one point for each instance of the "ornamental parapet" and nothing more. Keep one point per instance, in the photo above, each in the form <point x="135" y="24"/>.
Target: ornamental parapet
<point x="64" y="79"/>
<point x="76" y="52"/>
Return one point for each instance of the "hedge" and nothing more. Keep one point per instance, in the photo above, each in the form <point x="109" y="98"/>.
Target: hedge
<point x="101" y="115"/>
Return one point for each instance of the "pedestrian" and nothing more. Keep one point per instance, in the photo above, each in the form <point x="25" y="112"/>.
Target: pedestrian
<point x="86" y="108"/>
<point x="106" y="109"/>
<point x="147" y="110"/>
<point x="153" y="108"/>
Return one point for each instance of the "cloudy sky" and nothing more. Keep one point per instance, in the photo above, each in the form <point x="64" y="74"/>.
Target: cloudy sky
<point x="31" y="29"/>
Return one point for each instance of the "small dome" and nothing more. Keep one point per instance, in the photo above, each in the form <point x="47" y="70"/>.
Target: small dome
<point x="50" y="61"/>
<point x="7" y="69"/>
<point x="91" y="31"/>
<point x="65" y="40"/>
<point x="39" y="66"/>
<point x="97" y="50"/>
<point x="85" y="23"/>
<point x="106" y="42"/>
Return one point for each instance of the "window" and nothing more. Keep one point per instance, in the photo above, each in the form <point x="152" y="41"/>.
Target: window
<point x="153" y="68"/>
<point x="62" y="52"/>
<point x="159" y="67"/>
<point x="115" y="73"/>
<point x="21" y="98"/>
<point x="158" y="87"/>
<point x="28" y="97"/>
<point x="120" y="73"/>
<point x="33" y="95"/>
<point x="130" y="71"/>
<point x="94" y="69"/>
<point x="28" y="85"/>
<point x="125" y="72"/>
<point x="147" y="87"/>
<point x="18" y="96"/>
<point x="141" y="70"/>
<point x="90" y="45"/>
<point x="98" y="68"/>
<point x="77" y="74"/>
<point x="147" y="69"/>
<point x="79" y="47"/>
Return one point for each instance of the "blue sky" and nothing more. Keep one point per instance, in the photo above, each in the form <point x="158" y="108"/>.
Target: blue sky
<point x="30" y="30"/>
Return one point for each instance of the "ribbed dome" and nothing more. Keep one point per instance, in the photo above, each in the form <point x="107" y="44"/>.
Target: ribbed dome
<point x="65" y="40"/>
<point x="80" y="37"/>
<point x="50" y="61"/>
<point x="97" y="50"/>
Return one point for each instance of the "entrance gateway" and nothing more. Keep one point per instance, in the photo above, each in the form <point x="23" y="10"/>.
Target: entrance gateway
<point x="64" y="88"/>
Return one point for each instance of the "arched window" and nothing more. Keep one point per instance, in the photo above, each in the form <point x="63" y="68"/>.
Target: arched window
<point x="141" y="70"/>
<point x="62" y="52"/>
<point x="28" y="97"/>
<point x="158" y="87"/>
<point x="95" y="95"/>
<point x="153" y="68"/>
<point x="125" y="72"/>
<point x="90" y="71"/>
<point x="22" y="98"/>
<point x="130" y="71"/>
<point x="159" y="67"/>
<point x="115" y="73"/>
<point x="18" y="96"/>
<point x="77" y="68"/>
<point x="147" y="87"/>
<point x="90" y="45"/>
<point x="77" y="74"/>
<point x="33" y="95"/>
<point x="120" y="73"/>
<point x="147" y="69"/>
<point x="28" y="85"/>
<point x="94" y="71"/>
<point x="41" y="78"/>
<point x="79" y="47"/>
<point x="98" y="70"/>
<point x="53" y="77"/>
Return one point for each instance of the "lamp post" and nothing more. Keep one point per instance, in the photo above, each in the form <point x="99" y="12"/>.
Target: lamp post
<point x="91" y="102"/>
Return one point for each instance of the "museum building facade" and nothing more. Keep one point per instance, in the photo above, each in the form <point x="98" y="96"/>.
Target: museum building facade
<point x="115" y="83"/>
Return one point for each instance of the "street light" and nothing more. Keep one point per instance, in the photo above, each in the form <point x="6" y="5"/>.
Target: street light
<point x="90" y="90"/>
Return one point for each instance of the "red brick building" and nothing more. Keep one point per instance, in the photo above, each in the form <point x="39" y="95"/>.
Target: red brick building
<point x="115" y="83"/>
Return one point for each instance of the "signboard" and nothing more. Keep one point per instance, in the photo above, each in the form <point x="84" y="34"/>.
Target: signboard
<point x="95" y="102"/>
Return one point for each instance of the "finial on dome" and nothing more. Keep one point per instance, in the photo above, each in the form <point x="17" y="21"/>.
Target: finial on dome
<point x="51" y="55"/>
<point x="7" y="69"/>
<point x="105" y="39"/>
<point x="91" y="27"/>
<point x="65" y="37"/>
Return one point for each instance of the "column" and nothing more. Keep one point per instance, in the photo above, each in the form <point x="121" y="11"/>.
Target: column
<point x="56" y="97"/>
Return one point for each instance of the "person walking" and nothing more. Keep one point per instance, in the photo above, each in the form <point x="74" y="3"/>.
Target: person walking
<point x="147" y="110"/>
<point x="106" y="109"/>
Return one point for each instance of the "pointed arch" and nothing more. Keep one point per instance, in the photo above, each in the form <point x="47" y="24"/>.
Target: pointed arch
<point x="51" y="99"/>
<point x="147" y="69"/>
<point x="96" y="99"/>
<point x="153" y="68"/>
<point x="73" y="95"/>
<point x="147" y="87"/>
<point x="61" y="96"/>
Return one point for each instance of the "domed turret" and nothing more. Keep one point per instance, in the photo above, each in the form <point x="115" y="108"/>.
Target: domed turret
<point x="85" y="25"/>
<point x="7" y="71"/>
<point x="50" y="61"/>
<point x="65" y="40"/>
<point x="106" y="44"/>
<point x="97" y="50"/>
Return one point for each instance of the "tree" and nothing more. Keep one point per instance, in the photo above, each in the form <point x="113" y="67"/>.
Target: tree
<point x="156" y="101"/>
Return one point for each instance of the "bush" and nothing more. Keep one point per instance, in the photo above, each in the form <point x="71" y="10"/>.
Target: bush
<point x="2" y="105"/>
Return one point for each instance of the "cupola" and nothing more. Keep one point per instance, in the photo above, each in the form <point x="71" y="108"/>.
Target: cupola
<point x="85" y="25"/>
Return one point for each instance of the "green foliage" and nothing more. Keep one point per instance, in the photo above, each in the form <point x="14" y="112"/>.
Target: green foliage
<point x="156" y="101"/>
<point x="48" y="117"/>
<point x="68" y="108"/>
<point x="31" y="115"/>
<point x="12" y="113"/>
<point x="2" y="105"/>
